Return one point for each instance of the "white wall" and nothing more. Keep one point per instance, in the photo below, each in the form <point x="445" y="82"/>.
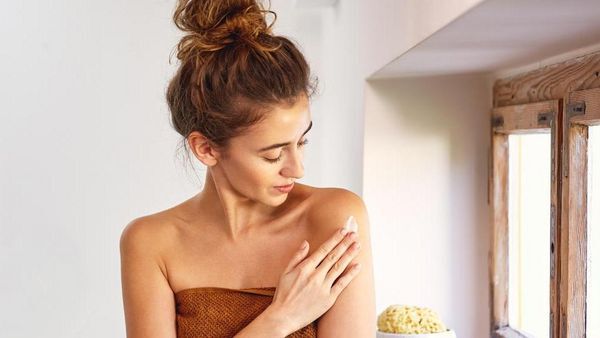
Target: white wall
<point x="429" y="216"/>
<point x="356" y="39"/>
<point x="86" y="144"/>
<point x="425" y="182"/>
<point x="85" y="147"/>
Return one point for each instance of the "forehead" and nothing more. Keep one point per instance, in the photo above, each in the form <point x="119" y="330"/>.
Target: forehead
<point x="281" y="124"/>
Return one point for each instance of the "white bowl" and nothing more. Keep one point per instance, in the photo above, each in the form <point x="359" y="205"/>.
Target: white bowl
<point x="445" y="334"/>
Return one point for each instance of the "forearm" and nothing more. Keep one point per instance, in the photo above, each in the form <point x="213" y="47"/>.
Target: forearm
<point x="267" y="324"/>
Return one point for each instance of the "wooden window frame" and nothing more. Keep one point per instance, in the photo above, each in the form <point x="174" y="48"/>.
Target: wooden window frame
<point x="516" y="119"/>
<point x="563" y="99"/>
<point x="582" y="111"/>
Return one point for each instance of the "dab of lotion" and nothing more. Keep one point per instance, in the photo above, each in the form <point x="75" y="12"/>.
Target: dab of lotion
<point x="351" y="225"/>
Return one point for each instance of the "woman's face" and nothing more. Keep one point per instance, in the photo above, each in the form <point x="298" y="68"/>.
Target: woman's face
<point x="269" y="154"/>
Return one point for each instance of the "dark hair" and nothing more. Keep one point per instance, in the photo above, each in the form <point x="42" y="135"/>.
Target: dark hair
<point x="233" y="70"/>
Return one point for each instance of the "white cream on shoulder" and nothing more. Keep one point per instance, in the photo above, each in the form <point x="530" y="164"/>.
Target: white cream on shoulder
<point x="351" y="225"/>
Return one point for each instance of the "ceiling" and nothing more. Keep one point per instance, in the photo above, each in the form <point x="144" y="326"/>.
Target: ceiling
<point x="501" y="34"/>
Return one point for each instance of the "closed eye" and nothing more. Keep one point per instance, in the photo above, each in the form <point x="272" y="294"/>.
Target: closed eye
<point x="275" y="160"/>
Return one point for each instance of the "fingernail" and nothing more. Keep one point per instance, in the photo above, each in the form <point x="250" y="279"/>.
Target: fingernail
<point x="344" y="231"/>
<point x="357" y="266"/>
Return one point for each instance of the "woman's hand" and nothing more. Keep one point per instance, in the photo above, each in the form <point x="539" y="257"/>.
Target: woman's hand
<point x="306" y="288"/>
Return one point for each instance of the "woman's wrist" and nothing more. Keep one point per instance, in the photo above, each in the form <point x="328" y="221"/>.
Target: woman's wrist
<point x="270" y="323"/>
<point x="277" y="320"/>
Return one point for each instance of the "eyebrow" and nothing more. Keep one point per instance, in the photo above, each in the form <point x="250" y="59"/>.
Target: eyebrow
<point x="278" y="145"/>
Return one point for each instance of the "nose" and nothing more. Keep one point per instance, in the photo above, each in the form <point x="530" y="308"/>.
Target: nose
<point x="293" y="166"/>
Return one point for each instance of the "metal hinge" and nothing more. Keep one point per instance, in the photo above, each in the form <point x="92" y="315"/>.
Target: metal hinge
<point x="575" y="108"/>
<point x="544" y="119"/>
<point x="572" y="109"/>
<point x="497" y="121"/>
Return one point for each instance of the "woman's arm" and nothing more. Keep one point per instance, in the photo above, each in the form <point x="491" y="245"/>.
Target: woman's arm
<point x="148" y="300"/>
<point x="353" y="314"/>
<point x="267" y="324"/>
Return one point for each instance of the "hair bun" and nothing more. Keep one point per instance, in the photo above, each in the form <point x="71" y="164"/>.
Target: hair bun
<point x="214" y="24"/>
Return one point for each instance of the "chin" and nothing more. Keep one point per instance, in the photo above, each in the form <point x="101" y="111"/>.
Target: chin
<point x="276" y="200"/>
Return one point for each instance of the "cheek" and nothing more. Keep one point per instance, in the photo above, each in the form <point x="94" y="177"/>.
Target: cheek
<point x="258" y="174"/>
<point x="267" y="172"/>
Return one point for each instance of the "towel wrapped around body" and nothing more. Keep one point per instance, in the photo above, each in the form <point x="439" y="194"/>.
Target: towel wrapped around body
<point x="214" y="312"/>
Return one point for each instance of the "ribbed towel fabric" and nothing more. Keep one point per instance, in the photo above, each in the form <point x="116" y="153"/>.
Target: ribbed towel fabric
<point x="214" y="312"/>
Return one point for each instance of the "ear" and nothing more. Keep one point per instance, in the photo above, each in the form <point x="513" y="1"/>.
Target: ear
<point x="203" y="149"/>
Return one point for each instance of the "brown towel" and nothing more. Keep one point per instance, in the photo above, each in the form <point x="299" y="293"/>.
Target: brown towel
<point x="213" y="312"/>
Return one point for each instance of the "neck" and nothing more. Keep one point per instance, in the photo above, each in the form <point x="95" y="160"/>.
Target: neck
<point x="236" y="216"/>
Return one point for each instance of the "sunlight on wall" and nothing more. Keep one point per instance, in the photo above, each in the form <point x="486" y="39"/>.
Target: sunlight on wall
<point x="529" y="233"/>
<point x="410" y="183"/>
<point x="593" y="263"/>
<point x="425" y="178"/>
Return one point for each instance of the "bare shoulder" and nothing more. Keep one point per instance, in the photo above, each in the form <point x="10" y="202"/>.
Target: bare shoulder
<point x="148" y="235"/>
<point x="353" y="314"/>
<point x="141" y="229"/>
<point x="331" y="207"/>
<point x="336" y="197"/>
<point x="147" y="296"/>
<point x="148" y="228"/>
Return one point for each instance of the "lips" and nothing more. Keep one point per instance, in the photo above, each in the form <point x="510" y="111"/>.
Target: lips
<point x="285" y="186"/>
<point x="285" y="189"/>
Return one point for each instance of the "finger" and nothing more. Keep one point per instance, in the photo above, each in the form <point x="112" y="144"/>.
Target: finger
<point x="298" y="256"/>
<point x="334" y="256"/>
<point x="343" y="281"/>
<point x="319" y="254"/>
<point x="338" y="267"/>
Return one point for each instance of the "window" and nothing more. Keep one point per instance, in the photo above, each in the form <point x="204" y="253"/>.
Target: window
<point x="529" y="233"/>
<point x="523" y="179"/>
<point x="544" y="190"/>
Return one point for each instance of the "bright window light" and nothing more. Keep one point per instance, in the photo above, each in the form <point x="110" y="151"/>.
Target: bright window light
<point x="529" y="233"/>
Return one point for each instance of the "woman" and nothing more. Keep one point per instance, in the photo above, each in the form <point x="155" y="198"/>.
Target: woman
<point x="230" y="261"/>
